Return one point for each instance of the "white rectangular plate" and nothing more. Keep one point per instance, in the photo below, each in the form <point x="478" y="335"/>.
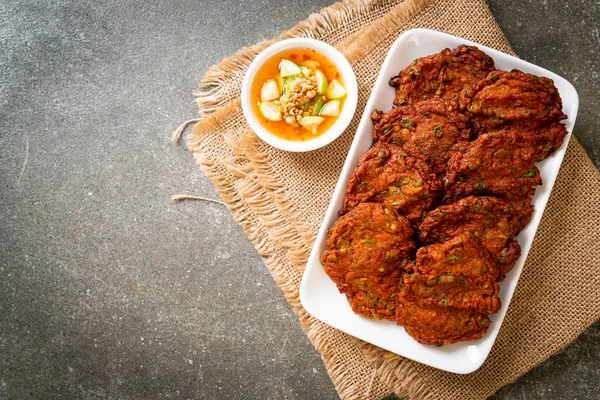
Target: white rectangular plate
<point x="318" y="293"/>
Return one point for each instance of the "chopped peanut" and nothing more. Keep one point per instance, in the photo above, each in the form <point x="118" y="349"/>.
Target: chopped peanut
<point x="303" y="90"/>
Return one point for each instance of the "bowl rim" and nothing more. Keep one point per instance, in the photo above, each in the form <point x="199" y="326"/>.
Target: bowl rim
<point x="343" y="120"/>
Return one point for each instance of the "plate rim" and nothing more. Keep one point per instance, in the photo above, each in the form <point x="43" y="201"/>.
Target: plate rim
<point x="349" y="166"/>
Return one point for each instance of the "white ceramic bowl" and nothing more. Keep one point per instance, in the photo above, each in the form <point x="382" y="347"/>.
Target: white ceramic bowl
<point x="347" y="111"/>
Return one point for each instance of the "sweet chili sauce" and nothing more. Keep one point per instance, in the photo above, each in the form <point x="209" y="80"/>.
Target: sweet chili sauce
<point x="270" y="69"/>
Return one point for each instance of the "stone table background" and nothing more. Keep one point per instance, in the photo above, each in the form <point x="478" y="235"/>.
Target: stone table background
<point x="110" y="290"/>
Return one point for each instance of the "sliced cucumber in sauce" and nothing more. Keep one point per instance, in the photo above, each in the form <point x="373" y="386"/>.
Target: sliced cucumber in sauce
<point x="321" y="81"/>
<point x="311" y="123"/>
<point x="331" y="108"/>
<point x="269" y="91"/>
<point x="335" y="90"/>
<point x="287" y="89"/>
<point x="280" y="88"/>
<point x="312" y="64"/>
<point x="280" y="82"/>
<point x="318" y="105"/>
<point x="270" y="111"/>
<point x="288" y="68"/>
<point x="305" y="71"/>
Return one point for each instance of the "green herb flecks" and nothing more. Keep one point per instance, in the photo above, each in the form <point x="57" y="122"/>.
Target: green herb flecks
<point x="407" y="123"/>
<point x="362" y="283"/>
<point x="501" y="153"/>
<point x="371" y="299"/>
<point x="403" y="181"/>
<point x="343" y="245"/>
<point x="496" y="119"/>
<point x="480" y="185"/>
<point x="529" y="174"/>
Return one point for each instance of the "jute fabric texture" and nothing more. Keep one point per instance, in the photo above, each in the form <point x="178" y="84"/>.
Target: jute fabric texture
<point x="280" y="198"/>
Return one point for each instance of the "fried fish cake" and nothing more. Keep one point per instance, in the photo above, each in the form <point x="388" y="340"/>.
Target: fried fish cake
<point x="542" y="139"/>
<point x="439" y="326"/>
<point x="460" y="273"/>
<point x="443" y="74"/>
<point x="426" y="130"/>
<point x="511" y="97"/>
<point x="386" y="175"/>
<point x="493" y="221"/>
<point x="524" y="104"/>
<point x="498" y="163"/>
<point x="507" y="258"/>
<point x="366" y="249"/>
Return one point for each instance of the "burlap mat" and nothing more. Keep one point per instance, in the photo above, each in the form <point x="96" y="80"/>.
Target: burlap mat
<point x="279" y="199"/>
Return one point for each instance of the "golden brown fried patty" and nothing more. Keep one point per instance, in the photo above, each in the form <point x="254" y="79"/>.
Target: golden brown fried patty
<point x="498" y="163"/>
<point x="508" y="97"/>
<point x="493" y="221"/>
<point x="386" y="175"/>
<point x="438" y="326"/>
<point x="460" y="273"/>
<point x="542" y="140"/>
<point x="525" y="104"/>
<point x="365" y="251"/>
<point x="426" y="130"/>
<point x="443" y="75"/>
<point x="507" y="258"/>
<point x="446" y="293"/>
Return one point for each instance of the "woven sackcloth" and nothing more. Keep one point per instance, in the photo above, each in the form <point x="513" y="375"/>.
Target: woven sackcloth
<point x="280" y="198"/>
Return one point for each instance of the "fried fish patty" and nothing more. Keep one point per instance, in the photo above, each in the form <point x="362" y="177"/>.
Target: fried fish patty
<point x="527" y="105"/>
<point x="498" y="163"/>
<point x="460" y="273"/>
<point x="507" y="258"/>
<point x="366" y="249"/>
<point x="493" y="221"/>
<point x="439" y="326"/>
<point x="443" y="75"/>
<point x="542" y="139"/>
<point x="426" y="130"/>
<point x="508" y="97"/>
<point x="386" y="175"/>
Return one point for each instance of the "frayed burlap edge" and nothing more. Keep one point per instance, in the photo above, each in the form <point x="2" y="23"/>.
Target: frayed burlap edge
<point x="214" y="90"/>
<point x="261" y="192"/>
<point x="265" y="196"/>
<point x="242" y="209"/>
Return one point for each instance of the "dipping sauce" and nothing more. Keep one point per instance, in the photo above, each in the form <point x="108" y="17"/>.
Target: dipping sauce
<point x="298" y="94"/>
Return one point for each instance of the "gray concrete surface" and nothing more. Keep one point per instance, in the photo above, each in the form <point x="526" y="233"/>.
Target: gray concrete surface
<point x="108" y="289"/>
